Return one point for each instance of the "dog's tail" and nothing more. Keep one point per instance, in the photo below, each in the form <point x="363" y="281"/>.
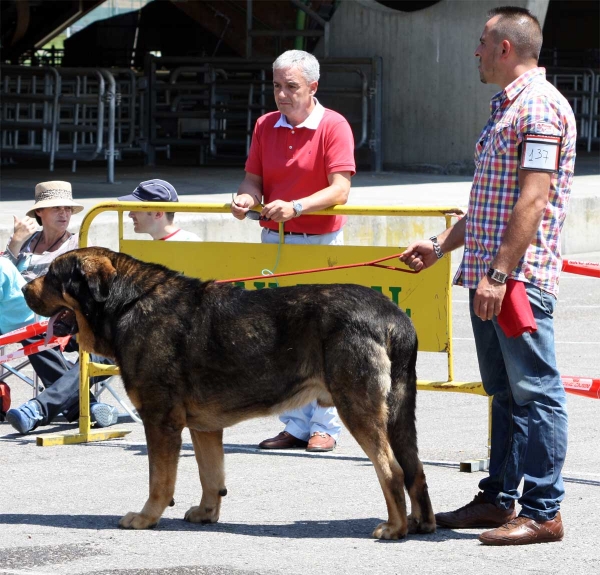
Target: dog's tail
<point x="402" y="398"/>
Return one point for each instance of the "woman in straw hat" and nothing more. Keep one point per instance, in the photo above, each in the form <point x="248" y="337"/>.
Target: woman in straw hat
<point x="32" y="253"/>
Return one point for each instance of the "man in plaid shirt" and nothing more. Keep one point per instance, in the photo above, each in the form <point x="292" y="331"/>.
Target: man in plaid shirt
<point x="524" y="161"/>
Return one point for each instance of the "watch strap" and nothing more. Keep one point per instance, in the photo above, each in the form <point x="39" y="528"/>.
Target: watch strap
<point x="436" y="247"/>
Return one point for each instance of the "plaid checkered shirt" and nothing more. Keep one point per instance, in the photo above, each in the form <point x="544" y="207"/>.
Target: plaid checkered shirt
<point x="529" y="104"/>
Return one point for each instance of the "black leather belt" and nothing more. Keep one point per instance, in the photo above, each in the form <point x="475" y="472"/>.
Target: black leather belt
<point x="291" y="233"/>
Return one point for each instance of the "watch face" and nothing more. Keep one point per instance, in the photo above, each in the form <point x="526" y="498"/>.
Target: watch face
<point x="498" y="276"/>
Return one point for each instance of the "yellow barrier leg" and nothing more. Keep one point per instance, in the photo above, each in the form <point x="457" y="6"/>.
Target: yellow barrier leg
<point x="481" y="464"/>
<point x="85" y="434"/>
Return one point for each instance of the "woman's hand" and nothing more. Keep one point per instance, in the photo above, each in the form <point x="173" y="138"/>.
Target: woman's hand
<point x="24" y="229"/>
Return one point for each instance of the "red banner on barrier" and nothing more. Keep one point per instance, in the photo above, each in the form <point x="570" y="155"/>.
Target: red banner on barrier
<point x="582" y="268"/>
<point x="24" y="332"/>
<point x="36" y="347"/>
<point x="585" y="386"/>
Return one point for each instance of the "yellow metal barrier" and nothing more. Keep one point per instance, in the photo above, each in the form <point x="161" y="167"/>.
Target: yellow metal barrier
<point x="426" y="297"/>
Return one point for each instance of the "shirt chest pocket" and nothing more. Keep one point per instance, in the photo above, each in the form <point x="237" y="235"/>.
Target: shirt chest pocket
<point x="501" y="138"/>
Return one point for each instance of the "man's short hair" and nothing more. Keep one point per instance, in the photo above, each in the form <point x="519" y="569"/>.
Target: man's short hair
<point x="307" y="63"/>
<point x="521" y="28"/>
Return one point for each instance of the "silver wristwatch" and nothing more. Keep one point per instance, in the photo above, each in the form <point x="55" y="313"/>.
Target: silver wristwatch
<point x="436" y="247"/>
<point x="297" y="208"/>
<point x="497" y="275"/>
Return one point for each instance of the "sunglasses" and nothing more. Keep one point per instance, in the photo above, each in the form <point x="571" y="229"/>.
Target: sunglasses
<point x="251" y="214"/>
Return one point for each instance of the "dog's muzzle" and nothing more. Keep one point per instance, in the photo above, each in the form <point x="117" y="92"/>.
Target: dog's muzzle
<point x="62" y="323"/>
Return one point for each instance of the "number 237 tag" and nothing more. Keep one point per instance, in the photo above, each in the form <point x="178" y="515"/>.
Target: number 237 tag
<point x="540" y="152"/>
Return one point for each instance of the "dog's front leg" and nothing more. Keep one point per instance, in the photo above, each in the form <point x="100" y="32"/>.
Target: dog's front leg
<point x="208" y="447"/>
<point x="164" y="445"/>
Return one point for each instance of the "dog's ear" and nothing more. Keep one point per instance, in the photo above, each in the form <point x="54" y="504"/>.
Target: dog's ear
<point x="99" y="274"/>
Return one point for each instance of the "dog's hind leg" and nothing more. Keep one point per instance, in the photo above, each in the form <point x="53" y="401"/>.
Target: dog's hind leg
<point x="421" y="519"/>
<point x="359" y="380"/>
<point x="371" y="436"/>
<point x="164" y="444"/>
<point x="402" y="434"/>
<point x="208" y="448"/>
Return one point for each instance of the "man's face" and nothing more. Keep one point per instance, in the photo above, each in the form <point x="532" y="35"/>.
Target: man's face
<point x="488" y="52"/>
<point x="293" y="94"/>
<point x="143" y="222"/>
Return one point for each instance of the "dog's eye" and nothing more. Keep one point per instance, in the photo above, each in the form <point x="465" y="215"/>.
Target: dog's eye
<point x="51" y="280"/>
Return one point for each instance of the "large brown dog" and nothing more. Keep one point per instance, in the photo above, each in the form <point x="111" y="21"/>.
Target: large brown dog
<point x="206" y="356"/>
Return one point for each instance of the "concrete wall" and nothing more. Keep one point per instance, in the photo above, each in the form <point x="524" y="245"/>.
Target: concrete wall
<point x="434" y="105"/>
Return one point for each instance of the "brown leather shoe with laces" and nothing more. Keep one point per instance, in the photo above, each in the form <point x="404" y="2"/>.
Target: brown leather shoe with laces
<point x="320" y="441"/>
<point x="525" y="531"/>
<point x="283" y="440"/>
<point x="479" y="513"/>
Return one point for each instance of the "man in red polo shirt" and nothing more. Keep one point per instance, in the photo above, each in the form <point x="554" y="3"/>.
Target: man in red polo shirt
<point x="301" y="161"/>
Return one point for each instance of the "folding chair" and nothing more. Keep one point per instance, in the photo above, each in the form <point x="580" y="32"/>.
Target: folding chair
<point x="6" y="370"/>
<point x="36" y="329"/>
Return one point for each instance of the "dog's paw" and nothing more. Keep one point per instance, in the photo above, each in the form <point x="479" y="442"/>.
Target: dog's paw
<point x="137" y="521"/>
<point x="202" y="514"/>
<point x="389" y="531"/>
<point x="415" y="525"/>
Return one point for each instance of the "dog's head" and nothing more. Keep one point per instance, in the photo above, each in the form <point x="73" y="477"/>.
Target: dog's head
<point x="73" y="293"/>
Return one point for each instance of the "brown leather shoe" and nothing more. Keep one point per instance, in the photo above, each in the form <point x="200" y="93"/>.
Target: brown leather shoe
<point x="284" y="440"/>
<point x="524" y="531"/>
<point x="479" y="513"/>
<point x="320" y="441"/>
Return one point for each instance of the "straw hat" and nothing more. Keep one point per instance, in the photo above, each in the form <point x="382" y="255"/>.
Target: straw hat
<point x="54" y="194"/>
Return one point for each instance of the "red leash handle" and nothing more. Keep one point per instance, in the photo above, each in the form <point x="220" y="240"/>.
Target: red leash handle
<point x="373" y="263"/>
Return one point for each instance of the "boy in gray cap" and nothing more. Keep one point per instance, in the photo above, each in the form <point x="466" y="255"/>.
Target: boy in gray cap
<point x="158" y="224"/>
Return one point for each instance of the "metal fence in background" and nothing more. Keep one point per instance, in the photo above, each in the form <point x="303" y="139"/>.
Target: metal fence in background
<point x="207" y="105"/>
<point x="29" y="108"/>
<point x="78" y="114"/>
<point x="203" y="106"/>
<point x="580" y="86"/>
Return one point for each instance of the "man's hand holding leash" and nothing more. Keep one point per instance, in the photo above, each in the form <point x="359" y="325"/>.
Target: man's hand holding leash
<point x="419" y="255"/>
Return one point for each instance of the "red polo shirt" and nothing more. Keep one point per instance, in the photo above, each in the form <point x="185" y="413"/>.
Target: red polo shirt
<point x="295" y="162"/>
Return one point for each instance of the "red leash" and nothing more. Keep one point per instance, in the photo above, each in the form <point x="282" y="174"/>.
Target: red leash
<point x="373" y="263"/>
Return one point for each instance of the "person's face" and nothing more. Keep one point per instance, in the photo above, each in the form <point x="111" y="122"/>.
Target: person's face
<point x="55" y="218"/>
<point x="293" y="94"/>
<point x="143" y="222"/>
<point x="488" y="53"/>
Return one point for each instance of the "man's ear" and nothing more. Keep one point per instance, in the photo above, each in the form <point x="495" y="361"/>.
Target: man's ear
<point x="313" y="88"/>
<point x="158" y="215"/>
<point x="99" y="274"/>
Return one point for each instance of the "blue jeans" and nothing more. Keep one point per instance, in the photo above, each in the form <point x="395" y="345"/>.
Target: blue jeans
<point x="529" y="416"/>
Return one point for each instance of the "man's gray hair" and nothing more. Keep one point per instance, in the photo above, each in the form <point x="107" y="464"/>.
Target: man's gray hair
<point x="307" y="63"/>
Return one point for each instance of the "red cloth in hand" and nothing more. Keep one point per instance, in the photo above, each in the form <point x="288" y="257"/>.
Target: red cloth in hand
<point x="515" y="317"/>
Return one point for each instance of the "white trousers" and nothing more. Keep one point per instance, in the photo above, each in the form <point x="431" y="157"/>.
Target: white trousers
<point x="311" y="418"/>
